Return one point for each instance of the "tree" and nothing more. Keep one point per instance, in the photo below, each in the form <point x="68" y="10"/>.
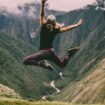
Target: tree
<point x="101" y="4"/>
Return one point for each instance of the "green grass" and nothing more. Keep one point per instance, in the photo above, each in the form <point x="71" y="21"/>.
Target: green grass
<point x="7" y="101"/>
<point x="33" y="82"/>
<point x="27" y="81"/>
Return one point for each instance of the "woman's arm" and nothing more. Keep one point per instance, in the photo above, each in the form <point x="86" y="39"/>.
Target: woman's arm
<point x="42" y="18"/>
<point x="64" y="29"/>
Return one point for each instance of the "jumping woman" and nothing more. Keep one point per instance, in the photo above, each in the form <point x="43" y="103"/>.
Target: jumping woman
<point x="49" y="29"/>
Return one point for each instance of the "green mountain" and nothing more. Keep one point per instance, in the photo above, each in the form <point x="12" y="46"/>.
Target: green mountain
<point x="84" y="76"/>
<point x="27" y="81"/>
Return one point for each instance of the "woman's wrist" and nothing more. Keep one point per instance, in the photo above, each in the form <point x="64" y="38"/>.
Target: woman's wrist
<point x="43" y="2"/>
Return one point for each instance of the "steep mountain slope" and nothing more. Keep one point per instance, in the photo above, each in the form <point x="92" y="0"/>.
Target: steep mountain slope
<point x="85" y="66"/>
<point x="84" y="75"/>
<point x="17" y="25"/>
<point x="90" y="89"/>
<point x="28" y="81"/>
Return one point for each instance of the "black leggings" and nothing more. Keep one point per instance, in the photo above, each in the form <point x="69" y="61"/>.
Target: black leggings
<point x="46" y="54"/>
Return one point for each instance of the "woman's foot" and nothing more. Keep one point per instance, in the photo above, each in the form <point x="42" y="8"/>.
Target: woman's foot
<point x="72" y="51"/>
<point x="45" y="64"/>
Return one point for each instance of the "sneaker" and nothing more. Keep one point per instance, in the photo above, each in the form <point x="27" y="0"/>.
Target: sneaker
<point x="72" y="51"/>
<point x="45" y="64"/>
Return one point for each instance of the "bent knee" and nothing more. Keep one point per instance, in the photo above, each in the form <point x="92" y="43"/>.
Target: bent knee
<point x="62" y="66"/>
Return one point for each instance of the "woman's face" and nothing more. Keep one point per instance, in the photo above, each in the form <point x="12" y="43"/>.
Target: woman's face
<point x="50" y="26"/>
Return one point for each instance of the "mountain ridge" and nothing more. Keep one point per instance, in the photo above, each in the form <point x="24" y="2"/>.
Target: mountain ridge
<point x="84" y="74"/>
<point x="23" y="79"/>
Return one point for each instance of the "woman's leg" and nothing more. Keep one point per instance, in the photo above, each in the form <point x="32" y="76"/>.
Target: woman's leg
<point x="62" y="63"/>
<point x="55" y="59"/>
<point x="35" y="58"/>
<point x="38" y="59"/>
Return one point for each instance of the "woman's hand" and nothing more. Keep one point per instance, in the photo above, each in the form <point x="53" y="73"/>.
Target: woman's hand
<point x="44" y="1"/>
<point x="80" y="22"/>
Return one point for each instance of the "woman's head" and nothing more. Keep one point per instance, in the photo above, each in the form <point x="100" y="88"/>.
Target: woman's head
<point x="51" y="22"/>
<point x="51" y="19"/>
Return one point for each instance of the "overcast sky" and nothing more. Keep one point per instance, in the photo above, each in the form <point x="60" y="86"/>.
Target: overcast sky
<point x="65" y="5"/>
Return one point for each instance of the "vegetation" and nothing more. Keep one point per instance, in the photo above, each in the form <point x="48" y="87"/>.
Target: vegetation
<point x="84" y="76"/>
<point x="87" y="62"/>
<point x="23" y="102"/>
<point x="23" y="79"/>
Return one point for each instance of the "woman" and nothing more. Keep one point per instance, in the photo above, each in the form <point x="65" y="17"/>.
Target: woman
<point x="49" y="29"/>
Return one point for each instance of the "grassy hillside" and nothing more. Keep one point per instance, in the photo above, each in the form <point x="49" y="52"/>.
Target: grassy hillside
<point x="89" y="89"/>
<point x="81" y="85"/>
<point x="84" y="75"/>
<point x="23" y="102"/>
<point x="28" y="81"/>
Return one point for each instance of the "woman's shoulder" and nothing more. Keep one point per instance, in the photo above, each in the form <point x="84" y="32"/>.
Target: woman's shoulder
<point x="58" y="25"/>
